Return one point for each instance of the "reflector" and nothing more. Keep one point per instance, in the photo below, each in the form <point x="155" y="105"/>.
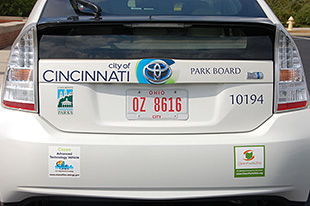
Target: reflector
<point x="19" y="74"/>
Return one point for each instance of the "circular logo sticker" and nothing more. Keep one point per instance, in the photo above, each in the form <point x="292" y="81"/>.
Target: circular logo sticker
<point x="248" y="155"/>
<point x="157" y="72"/>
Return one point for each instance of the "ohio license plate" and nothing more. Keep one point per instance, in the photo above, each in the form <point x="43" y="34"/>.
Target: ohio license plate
<point x="157" y="104"/>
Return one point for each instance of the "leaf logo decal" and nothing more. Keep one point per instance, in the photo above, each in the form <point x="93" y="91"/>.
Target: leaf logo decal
<point x="248" y="155"/>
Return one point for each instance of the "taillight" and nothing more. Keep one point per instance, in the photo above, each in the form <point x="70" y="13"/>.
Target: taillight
<point x="19" y="90"/>
<point x="292" y="92"/>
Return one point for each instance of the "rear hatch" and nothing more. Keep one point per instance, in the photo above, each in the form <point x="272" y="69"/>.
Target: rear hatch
<point x="156" y="77"/>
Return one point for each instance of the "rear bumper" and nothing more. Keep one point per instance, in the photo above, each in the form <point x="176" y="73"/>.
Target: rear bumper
<point x="82" y="201"/>
<point x="153" y="167"/>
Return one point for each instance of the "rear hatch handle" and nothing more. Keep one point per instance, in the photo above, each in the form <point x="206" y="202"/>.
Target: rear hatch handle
<point x="88" y="4"/>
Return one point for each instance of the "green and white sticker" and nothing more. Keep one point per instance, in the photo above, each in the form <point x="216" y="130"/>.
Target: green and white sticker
<point x="64" y="162"/>
<point x="249" y="161"/>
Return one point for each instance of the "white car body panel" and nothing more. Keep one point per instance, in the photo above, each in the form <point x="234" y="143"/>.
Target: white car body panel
<point x="208" y="95"/>
<point x="155" y="160"/>
<point x="171" y="166"/>
<point x="92" y="109"/>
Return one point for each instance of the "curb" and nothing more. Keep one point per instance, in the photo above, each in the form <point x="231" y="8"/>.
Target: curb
<point x="11" y="26"/>
<point x="12" y="18"/>
<point x="300" y="32"/>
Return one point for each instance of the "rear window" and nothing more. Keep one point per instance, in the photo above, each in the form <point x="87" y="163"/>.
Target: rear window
<point x="134" y="41"/>
<point x="244" y="8"/>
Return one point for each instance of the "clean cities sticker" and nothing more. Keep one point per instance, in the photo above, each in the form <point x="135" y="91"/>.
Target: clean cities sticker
<point x="64" y="161"/>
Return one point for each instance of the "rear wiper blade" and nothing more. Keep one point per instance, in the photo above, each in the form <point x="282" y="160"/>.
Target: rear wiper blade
<point x="90" y="5"/>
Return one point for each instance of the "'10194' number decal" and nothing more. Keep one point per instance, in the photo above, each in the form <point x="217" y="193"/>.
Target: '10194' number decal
<point x="247" y="99"/>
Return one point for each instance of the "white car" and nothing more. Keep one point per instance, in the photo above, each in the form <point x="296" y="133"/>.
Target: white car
<point x="154" y="102"/>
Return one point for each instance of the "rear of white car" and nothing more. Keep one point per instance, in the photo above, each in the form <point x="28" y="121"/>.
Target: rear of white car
<point x="164" y="101"/>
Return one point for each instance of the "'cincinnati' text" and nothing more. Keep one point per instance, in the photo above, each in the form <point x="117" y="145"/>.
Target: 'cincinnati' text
<point x="85" y="76"/>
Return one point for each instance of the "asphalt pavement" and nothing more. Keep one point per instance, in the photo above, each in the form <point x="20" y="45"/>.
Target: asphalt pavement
<point x="303" y="44"/>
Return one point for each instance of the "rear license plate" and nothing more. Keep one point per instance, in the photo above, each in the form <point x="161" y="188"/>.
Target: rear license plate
<point x="157" y="104"/>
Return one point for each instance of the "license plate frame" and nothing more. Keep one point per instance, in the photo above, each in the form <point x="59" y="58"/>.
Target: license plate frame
<point x="161" y="104"/>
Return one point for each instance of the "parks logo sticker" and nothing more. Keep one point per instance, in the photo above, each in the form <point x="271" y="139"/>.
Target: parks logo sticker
<point x="250" y="161"/>
<point x="65" y="100"/>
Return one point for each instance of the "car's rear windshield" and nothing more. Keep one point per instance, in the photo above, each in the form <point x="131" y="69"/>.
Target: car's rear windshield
<point x="244" y="8"/>
<point x="136" y="42"/>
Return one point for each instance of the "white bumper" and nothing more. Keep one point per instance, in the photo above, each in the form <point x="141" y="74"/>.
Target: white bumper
<point x="153" y="166"/>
